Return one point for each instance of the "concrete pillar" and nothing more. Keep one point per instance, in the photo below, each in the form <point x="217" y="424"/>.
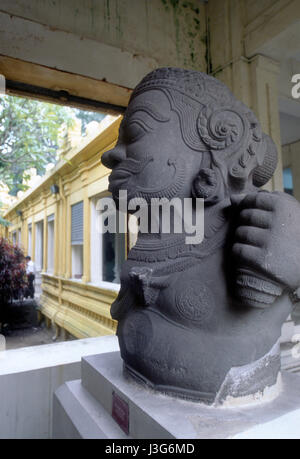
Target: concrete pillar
<point x="253" y="80"/>
<point x="264" y="75"/>
<point x="295" y="166"/>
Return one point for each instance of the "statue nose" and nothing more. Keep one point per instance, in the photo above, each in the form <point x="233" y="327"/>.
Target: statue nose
<point x="113" y="157"/>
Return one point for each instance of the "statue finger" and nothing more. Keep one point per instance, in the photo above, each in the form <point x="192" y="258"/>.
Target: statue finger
<point x="247" y="255"/>
<point x="265" y="201"/>
<point x="255" y="217"/>
<point x="262" y="200"/>
<point x="250" y="235"/>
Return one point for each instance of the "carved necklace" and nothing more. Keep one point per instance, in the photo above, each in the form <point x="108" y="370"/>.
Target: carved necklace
<point x="151" y="251"/>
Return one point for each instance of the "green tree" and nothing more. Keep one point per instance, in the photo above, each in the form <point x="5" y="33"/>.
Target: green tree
<point x="3" y="222"/>
<point x="29" y="133"/>
<point x="12" y="275"/>
<point x="87" y="117"/>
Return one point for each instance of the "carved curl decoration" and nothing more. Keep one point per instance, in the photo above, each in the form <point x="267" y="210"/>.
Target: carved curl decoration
<point x="220" y="129"/>
<point x="254" y="151"/>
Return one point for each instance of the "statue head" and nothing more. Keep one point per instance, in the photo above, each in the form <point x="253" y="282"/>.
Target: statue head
<point x="183" y="134"/>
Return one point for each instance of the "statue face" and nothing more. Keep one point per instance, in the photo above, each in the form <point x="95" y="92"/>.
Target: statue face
<point x="151" y="159"/>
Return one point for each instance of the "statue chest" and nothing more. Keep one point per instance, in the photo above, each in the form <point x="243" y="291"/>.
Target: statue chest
<point x="187" y="292"/>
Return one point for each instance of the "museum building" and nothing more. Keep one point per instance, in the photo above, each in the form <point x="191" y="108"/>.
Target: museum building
<point x="55" y="223"/>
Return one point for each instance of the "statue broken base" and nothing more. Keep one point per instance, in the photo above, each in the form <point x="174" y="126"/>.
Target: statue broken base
<point x="249" y="384"/>
<point x="106" y="404"/>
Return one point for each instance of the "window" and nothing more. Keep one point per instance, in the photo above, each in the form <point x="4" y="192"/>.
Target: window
<point x="39" y="245"/>
<point x="19" y="237"/>
<point x="107" y="250"/>
<point x="288" y="180"/>
<point x="29" y="250"/>
<point x="50" y="257"/>
<point x="14" y="238"/>
<point x="77" y="239"/>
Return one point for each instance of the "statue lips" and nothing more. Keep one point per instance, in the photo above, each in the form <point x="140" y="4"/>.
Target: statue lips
<point x="118" y="176"/>
<point x="122" y="173"/>
<point x="118" y="179"/>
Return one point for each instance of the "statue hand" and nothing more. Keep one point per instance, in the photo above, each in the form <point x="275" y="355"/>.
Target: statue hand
<point x="267" y="238"/>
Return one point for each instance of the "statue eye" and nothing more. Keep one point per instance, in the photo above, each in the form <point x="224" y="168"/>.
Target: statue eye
<point x="135" y="130"/>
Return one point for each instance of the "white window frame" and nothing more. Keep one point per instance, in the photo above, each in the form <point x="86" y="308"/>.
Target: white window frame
<point x="14" y="237"/>
<point x="74" y="254"/>
<point x="50" y="243"/>
<point x="75" y="249"/>
<point x="39" y="245"/>
<point x="29" y="247"/>
<point x="97" y="247"/>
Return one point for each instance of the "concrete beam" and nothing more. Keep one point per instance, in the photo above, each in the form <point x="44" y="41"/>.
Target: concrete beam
<point x="167" y="32"/>
<point x="40" y="44"/>
<point x="265" y="27"/>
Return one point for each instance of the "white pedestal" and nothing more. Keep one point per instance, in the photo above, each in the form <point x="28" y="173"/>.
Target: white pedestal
<point x="104" y="404"/>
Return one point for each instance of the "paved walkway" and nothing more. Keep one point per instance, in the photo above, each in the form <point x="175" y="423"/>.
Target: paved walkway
<point x="23" y="329"/>
<point x="34" y="336"/>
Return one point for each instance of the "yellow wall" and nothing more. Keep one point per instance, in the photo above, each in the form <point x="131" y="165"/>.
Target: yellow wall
<point x="75" y="305"/>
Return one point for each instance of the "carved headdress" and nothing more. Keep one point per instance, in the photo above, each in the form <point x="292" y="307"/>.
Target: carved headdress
<point x="213" y="120"/>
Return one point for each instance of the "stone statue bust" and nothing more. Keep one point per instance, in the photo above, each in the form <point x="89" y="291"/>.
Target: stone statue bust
<point x="203" y="321"/>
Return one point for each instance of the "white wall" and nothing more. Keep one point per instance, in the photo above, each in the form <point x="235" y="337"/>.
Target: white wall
<point x="29" y="377"/>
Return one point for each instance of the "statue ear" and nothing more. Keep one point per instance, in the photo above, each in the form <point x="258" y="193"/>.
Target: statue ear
<point x="207" y="186"/>
<point x="265" y="171"/>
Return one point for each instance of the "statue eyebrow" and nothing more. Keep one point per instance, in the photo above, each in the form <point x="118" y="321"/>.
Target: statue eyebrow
<point x="150" y="109"/>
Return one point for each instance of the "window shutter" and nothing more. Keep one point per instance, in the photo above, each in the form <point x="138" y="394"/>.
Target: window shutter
<point x="77" y="224"/>
<point x="51" y="218"/>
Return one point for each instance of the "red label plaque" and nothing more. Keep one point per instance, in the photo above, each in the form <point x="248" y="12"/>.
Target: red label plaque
<point x="120" y="412"/>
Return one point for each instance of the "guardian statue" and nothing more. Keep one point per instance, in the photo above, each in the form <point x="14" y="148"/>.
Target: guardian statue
<point x="202" y="321"/>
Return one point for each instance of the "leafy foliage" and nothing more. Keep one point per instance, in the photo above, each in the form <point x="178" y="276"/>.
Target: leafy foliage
<point x="29" y="133"/>
<point x="3" y="222"/>
<point x="12" y="271"/>
<point x="87" y="117"/>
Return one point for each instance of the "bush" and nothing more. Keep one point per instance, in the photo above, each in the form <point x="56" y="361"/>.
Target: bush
<point x="12" y="273"/>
